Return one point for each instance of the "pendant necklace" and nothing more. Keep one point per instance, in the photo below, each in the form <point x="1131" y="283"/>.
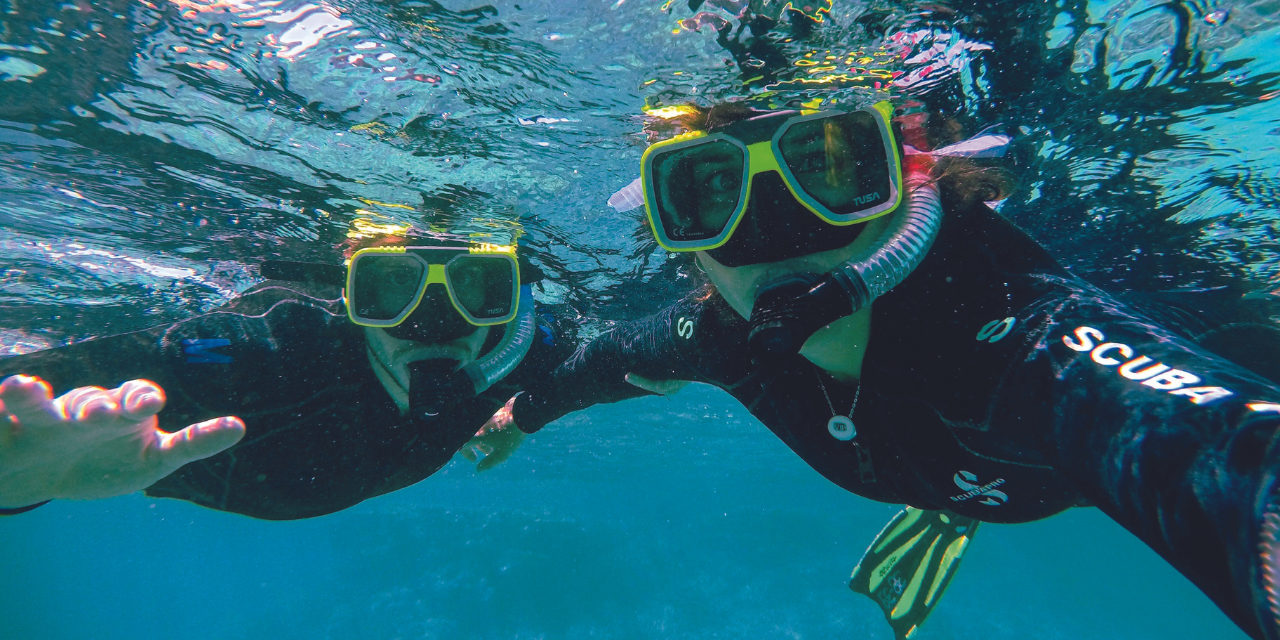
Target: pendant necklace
<point x="840" y="427"/>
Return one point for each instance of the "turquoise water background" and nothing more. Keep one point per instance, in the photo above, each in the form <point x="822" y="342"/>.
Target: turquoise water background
<point x="608" y="524"/>
<point x="152" y="154"/>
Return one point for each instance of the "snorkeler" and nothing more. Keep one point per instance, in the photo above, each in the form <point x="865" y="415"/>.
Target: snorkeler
<point x="348" y="383"/>
<point x="916" y="348"/>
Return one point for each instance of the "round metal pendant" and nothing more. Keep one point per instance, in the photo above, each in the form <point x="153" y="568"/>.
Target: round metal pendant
<point x="841" y="428"/>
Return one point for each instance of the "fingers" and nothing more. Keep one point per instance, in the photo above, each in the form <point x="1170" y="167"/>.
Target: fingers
<point x="468" y="454"/>
<point x="92" y="403"/>
<point x="29" y="403"/>
<point x="495" y="458"/>
<point x="25" y="395"/>
<point x="134" y="400"/>
<point x="29" y="399"/>
<point x="200" y="440"/>
<point x="141" y="399"/>
<point x="89" y="403"/>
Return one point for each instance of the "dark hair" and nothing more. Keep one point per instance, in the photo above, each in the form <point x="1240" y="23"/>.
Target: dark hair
<point x="972" y="181"/>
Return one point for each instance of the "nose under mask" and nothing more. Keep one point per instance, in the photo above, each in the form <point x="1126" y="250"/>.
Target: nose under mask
<point x="435" y="320"/>
<point x="776" y="227"/>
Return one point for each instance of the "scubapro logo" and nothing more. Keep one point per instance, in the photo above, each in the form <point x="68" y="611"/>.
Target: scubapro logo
<point x="684" y="328"/>
<point x="996" y="330"/>
<point x="969" y="483"/>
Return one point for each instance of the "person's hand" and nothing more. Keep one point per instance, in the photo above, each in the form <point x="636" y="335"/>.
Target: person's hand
<point x="93" y="442"/>
<point x="496" y="440"/>
<point x="660" y="387"/>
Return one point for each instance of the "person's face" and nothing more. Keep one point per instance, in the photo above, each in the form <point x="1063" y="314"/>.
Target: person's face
<point x="739" y="285"/>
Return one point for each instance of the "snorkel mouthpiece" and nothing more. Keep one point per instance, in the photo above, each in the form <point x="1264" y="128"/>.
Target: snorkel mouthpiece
<point x="434" y="387"/>
<point x="786" y="314"/>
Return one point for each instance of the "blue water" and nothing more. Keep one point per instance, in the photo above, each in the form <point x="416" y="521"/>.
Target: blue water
<point x="152" y="154"/>
<point x="647" y="519"/>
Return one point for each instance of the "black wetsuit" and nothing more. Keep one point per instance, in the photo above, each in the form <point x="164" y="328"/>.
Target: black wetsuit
<point x="322" y="433"/>
<point x="992" y="386"/>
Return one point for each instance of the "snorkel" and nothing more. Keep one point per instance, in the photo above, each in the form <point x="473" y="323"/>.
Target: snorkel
<point x="432" y="393"/>
<point x="787" y="313"/>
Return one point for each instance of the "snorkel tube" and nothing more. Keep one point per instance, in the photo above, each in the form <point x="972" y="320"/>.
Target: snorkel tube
<point x="788" y="312"/>
<point x="511" y="351"/>
<point x="430" y="395"/>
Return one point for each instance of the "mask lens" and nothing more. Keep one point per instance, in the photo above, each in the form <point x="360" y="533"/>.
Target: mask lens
<point x="839" y="161"/>
<point x="483" y="285"/>
<point x="383" y="286"/>
<point x="698" y="189"/>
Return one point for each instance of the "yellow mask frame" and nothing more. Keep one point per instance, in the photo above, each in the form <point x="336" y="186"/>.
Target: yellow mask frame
<point x="436" y="266"/>
<point x="760" y="147"/>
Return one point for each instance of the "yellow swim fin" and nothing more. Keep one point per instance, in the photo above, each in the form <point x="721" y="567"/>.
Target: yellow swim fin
<point x="909" y="565"/>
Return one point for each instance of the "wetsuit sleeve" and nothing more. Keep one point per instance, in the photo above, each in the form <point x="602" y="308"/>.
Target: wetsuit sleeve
<point x="678" y="343"/>
<point x="1179" y="446"/>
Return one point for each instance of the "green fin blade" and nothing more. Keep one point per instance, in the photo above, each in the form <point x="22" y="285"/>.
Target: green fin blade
<point x="910" y="563"/>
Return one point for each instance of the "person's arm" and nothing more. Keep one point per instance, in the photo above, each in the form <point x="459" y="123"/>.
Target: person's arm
<point x="691" y="340"/>
<point x="91" y="442"/>
<point x="1179" y="446"/>
<point x="102" y="362"/>
<point x="96" y="441"/>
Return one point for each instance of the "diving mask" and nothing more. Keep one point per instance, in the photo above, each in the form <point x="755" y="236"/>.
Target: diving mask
<point x="797" y="182"/>
<point x="385" y="285"/>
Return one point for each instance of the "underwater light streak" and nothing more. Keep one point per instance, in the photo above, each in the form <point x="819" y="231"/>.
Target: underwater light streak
<point x="75" y="250"/>
<point x="316" y="23"/>
<point x="308" y="24"/>
<point x="666" y="113"/>
<point x="362" y="228"/>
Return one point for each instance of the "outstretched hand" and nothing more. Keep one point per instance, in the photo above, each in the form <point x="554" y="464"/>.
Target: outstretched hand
<point x="496" y="440"/>
<point x="93" y="442"/>
<point x="499" y="437"/>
